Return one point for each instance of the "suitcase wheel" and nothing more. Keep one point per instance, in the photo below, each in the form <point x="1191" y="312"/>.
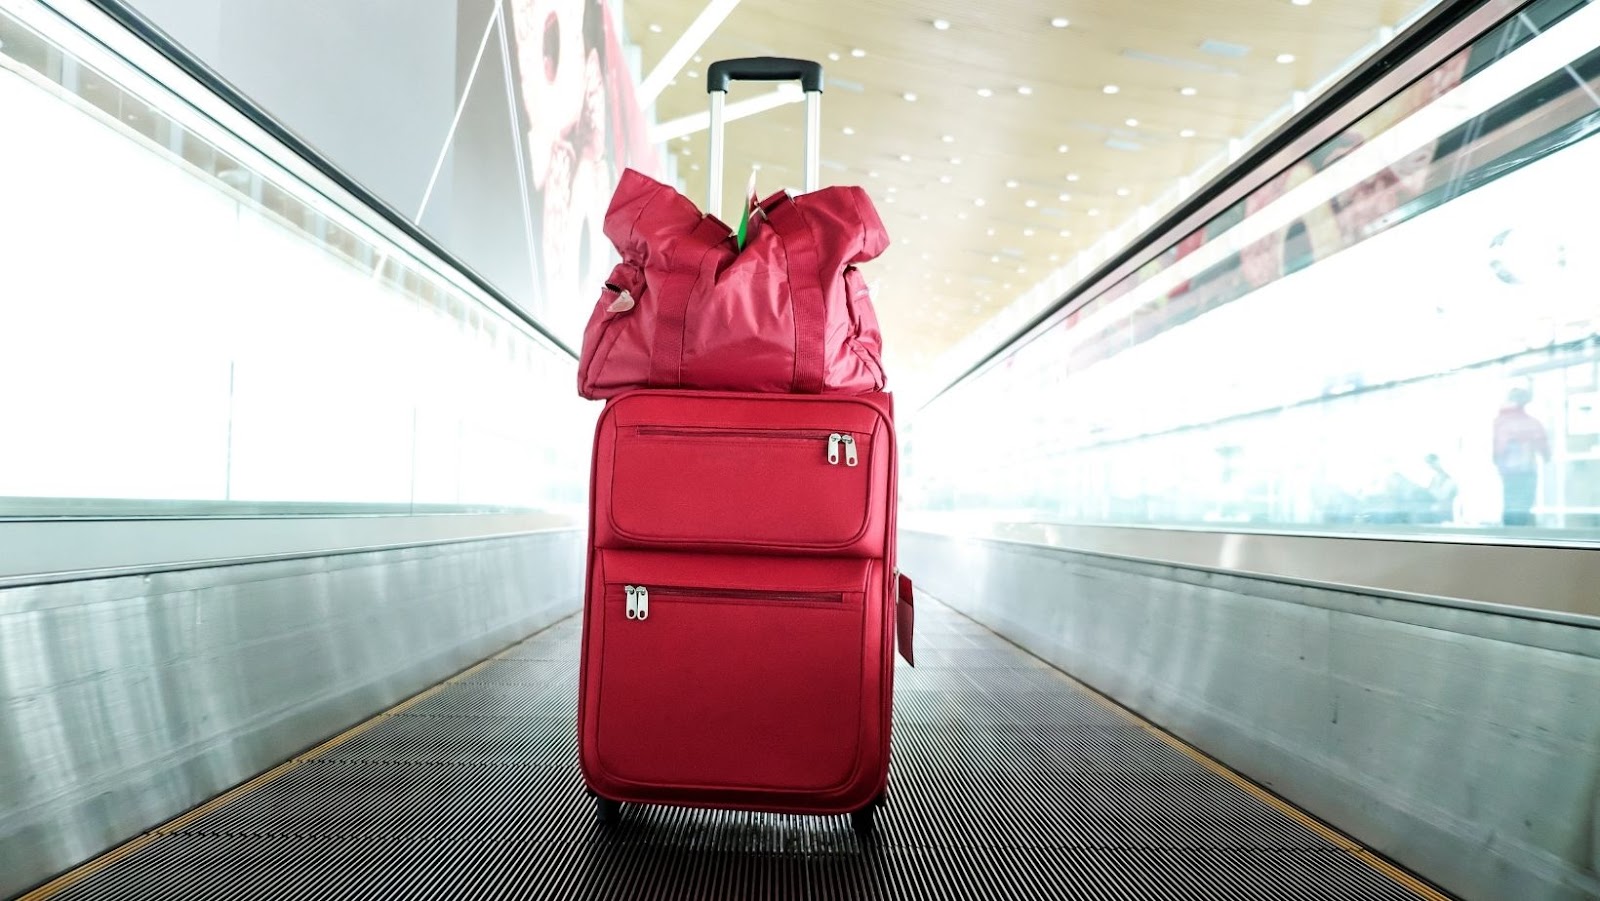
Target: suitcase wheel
<point x="862" y="820"/>
<point x="607" y="811"/>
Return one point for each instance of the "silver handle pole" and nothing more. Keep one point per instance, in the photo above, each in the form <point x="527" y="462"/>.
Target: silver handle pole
<point x="714" y="165"/>
<point x="813" y="140"/>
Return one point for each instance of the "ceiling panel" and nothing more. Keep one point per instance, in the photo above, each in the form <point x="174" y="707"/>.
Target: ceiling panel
<point x="984" y="194"/>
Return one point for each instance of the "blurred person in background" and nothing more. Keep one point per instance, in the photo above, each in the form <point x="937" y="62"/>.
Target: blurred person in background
<point x="1520" y="444"/>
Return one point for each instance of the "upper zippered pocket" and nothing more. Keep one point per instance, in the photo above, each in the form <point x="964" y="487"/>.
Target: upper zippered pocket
<point x="815" y="483"/>
<point x="839" y="445"/>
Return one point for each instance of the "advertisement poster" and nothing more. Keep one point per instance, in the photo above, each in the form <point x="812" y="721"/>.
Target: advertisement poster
<point x="580" y="124"/>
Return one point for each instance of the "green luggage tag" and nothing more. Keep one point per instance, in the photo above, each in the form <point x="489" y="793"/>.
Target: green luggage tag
<point x="749" y="207"/>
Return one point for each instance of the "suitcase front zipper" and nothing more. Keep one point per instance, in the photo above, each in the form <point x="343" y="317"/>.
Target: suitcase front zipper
<point x="638" y="597"/>
<point x="835" y="439"/>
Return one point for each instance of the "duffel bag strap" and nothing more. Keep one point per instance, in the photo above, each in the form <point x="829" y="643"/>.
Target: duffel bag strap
<point x="672" y="301"/>
<point x="805" y="286"/>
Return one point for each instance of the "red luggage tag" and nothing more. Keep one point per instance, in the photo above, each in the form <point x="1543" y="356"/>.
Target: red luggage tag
<point x="905" y="619"/>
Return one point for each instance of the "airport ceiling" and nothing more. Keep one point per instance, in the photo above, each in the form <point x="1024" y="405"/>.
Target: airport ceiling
<point x="999" y="139"/>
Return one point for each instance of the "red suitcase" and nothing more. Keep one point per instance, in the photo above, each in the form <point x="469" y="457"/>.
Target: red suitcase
<point x="740" y="623"/>
<point x="740" y="616"/>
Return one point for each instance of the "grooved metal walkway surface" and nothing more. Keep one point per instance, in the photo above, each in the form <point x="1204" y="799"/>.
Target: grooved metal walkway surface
<point x="1008" y="781"/>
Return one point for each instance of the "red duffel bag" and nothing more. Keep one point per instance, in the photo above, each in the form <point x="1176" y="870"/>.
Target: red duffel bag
<point x="686" y="308"/>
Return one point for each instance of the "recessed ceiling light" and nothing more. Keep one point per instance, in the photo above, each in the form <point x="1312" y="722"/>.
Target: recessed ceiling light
<point x="1301" y="2"/>
<point x="905" y="157"/>
<point x="892" y="188"/>
<point x="756" y="166"/>
<point x="686" y="151"/>
<point x="948" y="139"/>
<point x="872" y="173"/>
<point x="1021" y="270"/>
<point x="1072" y="176"/>
<point x="941" y="24"/>
<point x="945" y="179"/>
<point x="909" y="97"/>
<point x="923" y="218"/>
<point x="848" y="130"/>
<point x="1286" y="57"/>
<point x="1062" y="148"/>
<point x="857" y="52"/>
<point x="890" y="199"/>
<point x="673" y="83"/>
<point x="697" y="58"/>
<point x="955" y="161"/>
<point x="1030" y="203"/>
<point x="1065" y="233"/>
<point x="978" y="201"/>
<point x="1110" y="89"/>
<point x="1094" y="212"/>
<point x="1006" y="286"/>
<point x="1186" y="133"/>
<point x="961" y="216"/>
<point x="834" y="57"/>
<point x="1024" y="90"/>
<point x="654" y="28"/>
<point x="1123" y="192"/>
<point x="694" y="167"/>
<point x="1064" y="197"/>
<point x="985" y="92"/>
<point x="994" y="259"/>
<point x="990" y="232"/>
<point x="1131" y="123"/>
<point x="1059" y="22"/>
<point x="1027" y="233"/>
<point x="1188" y="92"/>
<point x="1011" y="183"/>
<point x="692" y="73"/>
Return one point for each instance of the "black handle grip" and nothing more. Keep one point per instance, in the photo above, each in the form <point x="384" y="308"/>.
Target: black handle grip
<point x="764" y="68"/>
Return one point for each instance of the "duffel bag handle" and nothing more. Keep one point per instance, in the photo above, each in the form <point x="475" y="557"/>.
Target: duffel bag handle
<point x="809" y="298"/>
<point x="807" y="295"/>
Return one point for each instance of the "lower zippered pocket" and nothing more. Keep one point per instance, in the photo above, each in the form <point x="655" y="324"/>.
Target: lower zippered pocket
<point x="729" y="671"/>
<point x="637" y="598"/>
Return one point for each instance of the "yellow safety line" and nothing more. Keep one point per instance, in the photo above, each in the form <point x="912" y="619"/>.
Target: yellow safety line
<point x="1323" y="830"/>
<point x="85" y="870"/>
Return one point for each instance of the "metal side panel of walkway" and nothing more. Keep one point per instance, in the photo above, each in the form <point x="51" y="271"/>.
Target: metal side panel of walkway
<point x="1009" y="780"/>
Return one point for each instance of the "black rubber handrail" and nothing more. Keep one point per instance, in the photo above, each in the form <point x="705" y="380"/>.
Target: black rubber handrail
<point x="213" y="81"/>
<point x="1416" y="42"/>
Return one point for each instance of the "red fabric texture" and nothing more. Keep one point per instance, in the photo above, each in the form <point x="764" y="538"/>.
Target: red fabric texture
<point x="788" y="313"/>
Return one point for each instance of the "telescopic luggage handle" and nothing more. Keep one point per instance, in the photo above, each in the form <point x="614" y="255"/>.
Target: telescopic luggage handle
<point x="764" y="68"/>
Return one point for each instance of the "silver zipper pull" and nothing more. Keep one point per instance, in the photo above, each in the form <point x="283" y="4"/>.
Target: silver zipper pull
<point x="633" y="601"/>
<point x="644" y="603"/>
<point x="850" y="450"/>
<point x="833" y="448"/>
